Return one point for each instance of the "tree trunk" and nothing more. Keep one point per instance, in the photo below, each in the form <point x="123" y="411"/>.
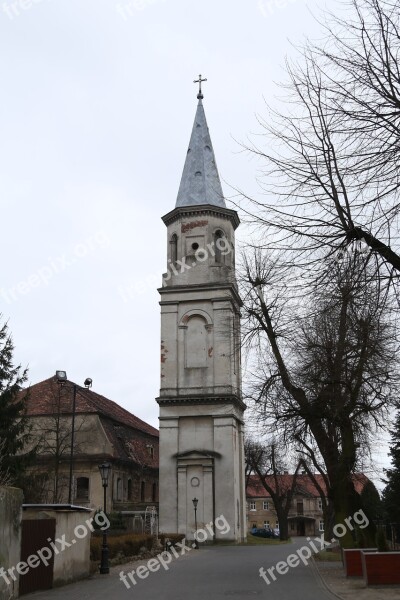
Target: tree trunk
<point x="282" y="516"/>
<point x="346" y="502"/>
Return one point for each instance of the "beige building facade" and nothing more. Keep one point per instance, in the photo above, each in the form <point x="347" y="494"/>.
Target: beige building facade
<point x="305" y="516"/>
<point x="103" y="432"/>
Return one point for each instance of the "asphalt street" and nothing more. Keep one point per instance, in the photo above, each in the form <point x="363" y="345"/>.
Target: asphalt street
<point x="212" y="572"/>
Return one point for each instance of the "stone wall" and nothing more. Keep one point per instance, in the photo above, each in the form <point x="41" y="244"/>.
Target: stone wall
<point x="10" y="537"/>
<point x="73" y="562"/>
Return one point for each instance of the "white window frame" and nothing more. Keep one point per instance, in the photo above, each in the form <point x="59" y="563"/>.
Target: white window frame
<point x="321" y="526"/>
<point x="265" y="505"/>
<point x="319" y="504"/>
<point x="267" y="525"/>
<point x="252" y="505"/>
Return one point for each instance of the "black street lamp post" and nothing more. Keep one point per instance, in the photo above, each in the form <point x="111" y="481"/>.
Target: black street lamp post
<point x="104" y="469"/>
<point x="195" y="544"/>
<point x="71" y="457"/>
<point x="62" y="378"/>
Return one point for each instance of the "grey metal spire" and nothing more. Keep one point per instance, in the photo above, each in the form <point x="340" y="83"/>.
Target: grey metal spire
<point x="200" y="183"/>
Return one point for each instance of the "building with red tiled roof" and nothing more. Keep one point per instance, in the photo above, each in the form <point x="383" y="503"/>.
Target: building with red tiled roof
<point x="306" y="514"/>
<point x="104" y="431"/>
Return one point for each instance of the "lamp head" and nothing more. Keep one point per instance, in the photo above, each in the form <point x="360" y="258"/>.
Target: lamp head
<point x="61" y="376"/>
<point x="195" y="502"/>
<point x="88" y="382"/>
<point x="105" y="469"/>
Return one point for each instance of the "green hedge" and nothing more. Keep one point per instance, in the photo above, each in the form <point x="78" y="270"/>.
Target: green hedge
<point x="128" y="544"/>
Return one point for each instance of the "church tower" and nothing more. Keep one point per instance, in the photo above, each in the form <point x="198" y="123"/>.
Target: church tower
<point x="201" y="409"/>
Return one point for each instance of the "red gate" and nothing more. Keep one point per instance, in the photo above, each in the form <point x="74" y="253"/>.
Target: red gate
<point x="35" y="534"/>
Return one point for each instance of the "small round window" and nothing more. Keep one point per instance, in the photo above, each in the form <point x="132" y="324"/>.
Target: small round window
<point x="195" y="246"/>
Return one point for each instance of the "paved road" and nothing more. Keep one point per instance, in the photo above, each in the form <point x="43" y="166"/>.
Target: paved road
<point x="211" y="573"/>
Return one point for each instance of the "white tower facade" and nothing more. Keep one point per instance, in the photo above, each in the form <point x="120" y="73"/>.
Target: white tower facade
<point x="201" y="409"/>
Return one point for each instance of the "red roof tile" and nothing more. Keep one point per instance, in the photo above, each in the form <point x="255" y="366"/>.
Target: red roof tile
<point x="131" y="447"/>
<point x="255" y="488"/>
<point x="44" y="397"/>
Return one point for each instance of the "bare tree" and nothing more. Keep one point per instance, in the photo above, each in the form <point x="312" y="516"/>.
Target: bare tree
<point x="361" y="57"/>
<point x="330" y="165"/>
<point x="53" y="433"/>
<point x="312" y="463"/>
<point x="332" y="368"/>
<point x="269" y="463"/>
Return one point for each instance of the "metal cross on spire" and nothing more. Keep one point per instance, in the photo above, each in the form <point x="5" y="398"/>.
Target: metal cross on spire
<point x="199" y="81"/>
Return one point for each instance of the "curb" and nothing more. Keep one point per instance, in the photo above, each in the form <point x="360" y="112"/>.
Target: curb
<point x="322" y="580"/>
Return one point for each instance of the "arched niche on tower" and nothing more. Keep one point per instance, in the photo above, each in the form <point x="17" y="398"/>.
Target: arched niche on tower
<point x="173" y="248"/>
<point x="197" y="325"/>
<point x="223" y="247"/>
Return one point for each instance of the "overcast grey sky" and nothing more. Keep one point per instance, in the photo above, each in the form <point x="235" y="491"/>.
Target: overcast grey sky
<point x="97" y="106"/>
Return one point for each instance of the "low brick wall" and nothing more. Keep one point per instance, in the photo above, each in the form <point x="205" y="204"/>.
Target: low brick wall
<point x="352" y="561"/>
<point x="381" y="568"/>
<point x="10" y="537"/>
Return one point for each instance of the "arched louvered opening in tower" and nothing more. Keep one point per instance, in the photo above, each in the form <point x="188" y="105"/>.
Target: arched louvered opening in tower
<point x="174" y="248"/>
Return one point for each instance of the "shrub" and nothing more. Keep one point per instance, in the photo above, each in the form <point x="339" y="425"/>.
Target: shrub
<point x="128" y="544"/>
<point x="117" y="521"/>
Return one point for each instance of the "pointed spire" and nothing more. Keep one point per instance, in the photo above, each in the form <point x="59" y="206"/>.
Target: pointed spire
<point x="200" y="183"/>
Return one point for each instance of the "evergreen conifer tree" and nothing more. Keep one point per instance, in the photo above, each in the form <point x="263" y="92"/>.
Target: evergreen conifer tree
<point x="391" y="493"/>
<point x="14" y="426"/>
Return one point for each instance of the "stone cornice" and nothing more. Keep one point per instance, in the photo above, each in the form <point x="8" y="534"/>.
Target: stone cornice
<point x="196" y="400"/>
<point x="201" y="287"/>
<point x="202" y="209"/>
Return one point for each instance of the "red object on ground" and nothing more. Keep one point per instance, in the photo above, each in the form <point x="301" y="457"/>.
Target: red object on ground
<point x="352" y="560"/>
<point x="381" y="568"/>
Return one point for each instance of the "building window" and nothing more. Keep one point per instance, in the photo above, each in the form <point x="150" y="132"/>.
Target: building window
<point x="265" y="505"/>
<point x="150" y="450"/>
<point x="266" y="524"/>
<point x="320" y="504"/>
<point x="119" y="489"/>
<point x="142" y="491"/>
<point x="254" y="526"/>
<point x="174" y="248"/>
<point x="129" y="489"/>
<point x="82" y="488"/>
<point x="154" y="493"/>
<point x="252" y="505"/>
<point x="292" y="527"/>
<point x="321" y="526"/>
<point x="218" y="237"/>
<point x="300" y="507"/>
<point x="276" y="525"/>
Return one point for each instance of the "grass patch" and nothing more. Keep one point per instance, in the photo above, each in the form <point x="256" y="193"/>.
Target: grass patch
<point x="326" y="556"/>
<point x="253" y="540"/>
